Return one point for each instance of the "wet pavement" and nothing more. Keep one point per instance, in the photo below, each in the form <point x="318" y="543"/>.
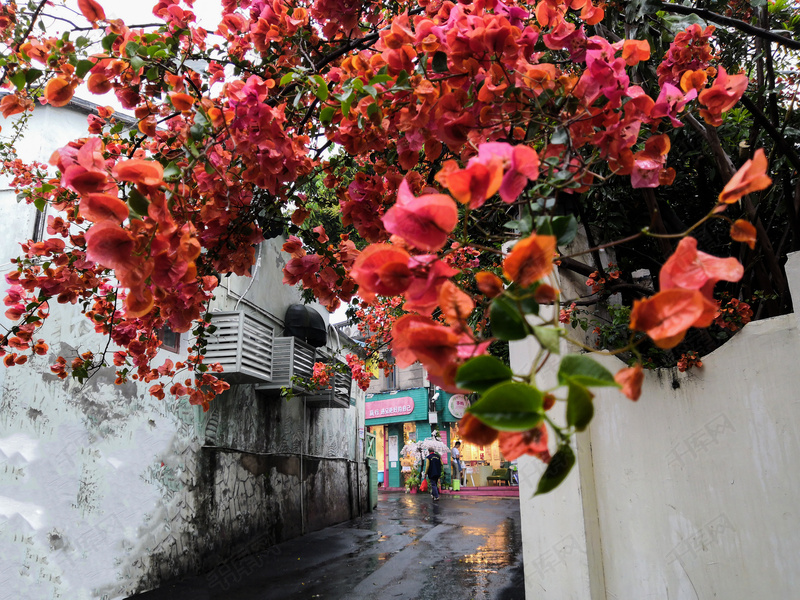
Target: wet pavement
<point x="462" y="547"/>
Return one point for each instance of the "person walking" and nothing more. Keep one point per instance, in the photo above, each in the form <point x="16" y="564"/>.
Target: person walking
<point x="455" y="461"/>
<point x="434" y="471"/>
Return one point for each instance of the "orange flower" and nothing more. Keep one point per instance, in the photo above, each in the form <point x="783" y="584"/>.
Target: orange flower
<point x="103" y="207"/>
<point x="58" y="91"/>
<point x="693" y="80"/>
<point x="515" y="444"/>
<point x="98" y="83"/>
<point x="690" y="269"/>
<point x="489" y="284"/>
<point x="381" y="269"/>
<point x="181" y="101"/>
<point x="139" y="170"/>
<point x="455" y="304"/>
<point x="91" y="10"/>
<point x="666" y="316"/>
<point x="475" y="431"/>
<point x="530" y="260"/>
<point x="635" y="51"/>
<point x="631" y="378"/>
<point x="545" y="294"/>
<point x="752" y="177"/>
<point x="742" y="231"/>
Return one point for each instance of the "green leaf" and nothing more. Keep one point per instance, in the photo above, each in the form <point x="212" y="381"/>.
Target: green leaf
<point x="506" y="321"/>
<point x="32" y="75"/>
<point x="18" y="79"/>
<point x="580" y="369"/>
<point x="326" y="114"/>
<point x="402" y="79"/>
<point x="565" y="228"/>
<point x="560" y="465"/>
<point x="131" y="49"/>
<point x="381" y="78"/>
<point x="510" y="406"/>
<point x="40" y="204"/>
<point x="108" y="41"/>
<point x="287" y="78"/>
<point x="321" y="89"/>
<point x="171" y="171"/>
<point x="580" y="408"/>
<point x="137" y="62"/>
<point x="481" y="373"/>
<point x="549" y="338"/>
<point x="138" y="202"/>
<point x="82" y="68"/>
<point x="439" y="62"/>
<point x="346" y="103"/>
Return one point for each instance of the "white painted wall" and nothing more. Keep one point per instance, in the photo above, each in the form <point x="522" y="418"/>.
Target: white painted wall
<point x="691" y="493"/>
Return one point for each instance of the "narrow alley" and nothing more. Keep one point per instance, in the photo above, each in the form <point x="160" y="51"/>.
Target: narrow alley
<point x="463" y="547"/>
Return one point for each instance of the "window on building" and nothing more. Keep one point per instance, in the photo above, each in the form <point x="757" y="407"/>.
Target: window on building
<point x="170" y="341"/>
<point x="473" y="454"/>
<point x="39" y="223"/>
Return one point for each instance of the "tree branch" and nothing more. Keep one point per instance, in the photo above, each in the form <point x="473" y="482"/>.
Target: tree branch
<point x="735" y="23"/>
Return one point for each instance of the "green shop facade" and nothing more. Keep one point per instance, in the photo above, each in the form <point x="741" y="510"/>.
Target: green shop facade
<point x="411" y="415"/>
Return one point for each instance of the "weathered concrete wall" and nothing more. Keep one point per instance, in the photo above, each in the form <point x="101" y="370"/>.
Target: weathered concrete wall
<point x="106" y="491"/>
<point x="689" y="493"/>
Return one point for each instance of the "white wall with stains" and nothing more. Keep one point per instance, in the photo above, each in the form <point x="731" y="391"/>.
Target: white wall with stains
<point x="106" y="491"/>
<point x="690" y="493"/>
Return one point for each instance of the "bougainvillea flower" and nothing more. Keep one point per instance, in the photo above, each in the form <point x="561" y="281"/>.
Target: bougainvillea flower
<point x="77" y="178"/>
<point x="111" y="246"/>
<point x="138" y="303"/>
<point x="721" y="96"/>
<point x="99" y="83"/>
<point x="428" y="275"/>
<point x="103" y="207"/>
<point x="474" y="431"/>
<point x="667" y="315"/>
<point x="416" y="338"/>
<point x="520" y="164"/>
<point x="181" y="101"/>
<point x="545" y="294"/>
<point x="694" y="80"/>
<point x="649" y="163"/>
<point x="751" y="177"/>
<point x="423" y="222"/>
<point x="489" y="284"/>
<point x="670" y="102"/>
<point x="475" y="184"/>
<point x="456" y="305"/>
<point x="635" y="51"/>
<point x="743" y="231"/>
<point x="58" y="92"/>
<point x="514" y="444"/>
<point x="12" y="104"/>
<point x="91" y="10"/>
<point x="530" y="260"/>
<point x="690" y="269"/>
<point x="631" y="379"/>
<point x="381" y="269"/>
<point x="139" y="170"/>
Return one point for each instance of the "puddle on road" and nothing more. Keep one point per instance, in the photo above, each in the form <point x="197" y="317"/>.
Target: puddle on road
<point x="501" y="550"/>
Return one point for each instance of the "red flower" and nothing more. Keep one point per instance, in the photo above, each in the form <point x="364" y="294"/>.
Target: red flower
<point x="514" y="444"/>
<point x="752" y="177"/>
<point x="423" y="222"/>
<point x="631" y="378"/>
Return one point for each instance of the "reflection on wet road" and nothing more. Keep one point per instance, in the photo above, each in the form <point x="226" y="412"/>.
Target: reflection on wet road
<point x="459" y="548"/>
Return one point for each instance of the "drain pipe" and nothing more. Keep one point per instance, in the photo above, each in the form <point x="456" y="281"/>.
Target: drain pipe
<point x="358" y="463"/>
<point x="302" y="482"/>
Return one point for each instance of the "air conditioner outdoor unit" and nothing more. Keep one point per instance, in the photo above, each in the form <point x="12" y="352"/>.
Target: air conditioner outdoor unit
<point x="337" y="395"/>
<point x="243" y="345"/>
<point x="291" y="357"/>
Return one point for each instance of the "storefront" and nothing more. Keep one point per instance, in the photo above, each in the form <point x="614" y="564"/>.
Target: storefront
<point x="397" y="418"/>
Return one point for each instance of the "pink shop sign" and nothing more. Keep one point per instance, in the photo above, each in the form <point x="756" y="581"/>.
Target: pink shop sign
<point x="392" y="407"/>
